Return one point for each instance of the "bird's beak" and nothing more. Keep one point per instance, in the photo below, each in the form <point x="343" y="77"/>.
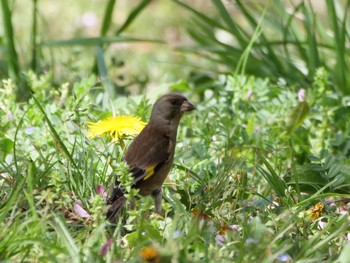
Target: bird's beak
<point x="187" y="106"/>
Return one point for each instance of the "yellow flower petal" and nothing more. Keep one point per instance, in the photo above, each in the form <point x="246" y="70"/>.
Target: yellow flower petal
<point x="314" y="212"/>
<point x="118" y="127"/>
<point x="149" y="254"/>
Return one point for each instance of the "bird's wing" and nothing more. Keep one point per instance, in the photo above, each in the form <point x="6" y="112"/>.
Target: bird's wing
<point x="149" y="151"/>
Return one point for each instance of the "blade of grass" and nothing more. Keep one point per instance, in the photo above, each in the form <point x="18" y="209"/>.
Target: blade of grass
<point x="15" y="139"/>
<point x="67" y="239"/>
<point x="271" y="55"/>
<point x="107" y="18"/>
<point x="318" y="194"/>
<point x="312" y="45"/>
<point x="272" y="178"/>
<point x="228" y="54"/>
<point x="339" y="42"/>
<point x="216" y="51"/>
<point x="54" y="132"/>
<point x="201" y="16"/>
<point x="339" y="227"/>
<point x="294" y="170"/>
<point x="103" y="74"/>
<point x="34" y="36"/>
<point x="29" y="191"/>
<point x="291" y="36"/>
<point x="235" y="29"/>
<point x="107" y="21"/>
<point x="62" y="146"/>
<point x="8" y="204"/>
<point x="14" y="70"/>
<point x="12" y="57"/>
<point x="132" y="16"/>
<point x="192" y="174"/>
<point x="94" y="41"/>
<point x="243" y="60"/>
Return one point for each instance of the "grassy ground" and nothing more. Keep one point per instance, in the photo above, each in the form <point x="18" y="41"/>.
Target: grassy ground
<point x="261" y="171"/>
<point x="129" y="64"/>
<point x="231" y="194"/>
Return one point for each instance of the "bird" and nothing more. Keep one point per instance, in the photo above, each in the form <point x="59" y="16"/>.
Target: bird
<point x="151" y="154"/>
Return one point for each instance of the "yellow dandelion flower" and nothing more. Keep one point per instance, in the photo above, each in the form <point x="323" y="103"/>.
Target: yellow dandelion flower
<point x="314" y="212"/>
<point x="117" y="127"/>
<point x="149" y="254"/>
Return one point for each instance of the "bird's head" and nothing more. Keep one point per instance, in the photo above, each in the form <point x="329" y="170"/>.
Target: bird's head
<point x="171" y="106"/>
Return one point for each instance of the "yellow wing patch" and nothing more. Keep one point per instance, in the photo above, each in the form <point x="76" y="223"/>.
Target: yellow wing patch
<point x="149" y="172"/>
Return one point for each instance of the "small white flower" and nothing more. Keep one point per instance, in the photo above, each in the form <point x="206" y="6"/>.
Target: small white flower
<point x="301" y="95"/>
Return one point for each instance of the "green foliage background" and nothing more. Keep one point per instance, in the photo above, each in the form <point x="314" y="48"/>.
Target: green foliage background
<point x="269" y="138"/>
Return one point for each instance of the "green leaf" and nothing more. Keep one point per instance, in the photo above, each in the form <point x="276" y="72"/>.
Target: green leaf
<point x="6" y="146"/>
<point x="181" y="85"/>
<point x="334" y="170"/>
<point x="329" y="162"/>
<point x="297" y="116"/>
<point x="309" y="180"/>
<point x="251" y="125"/>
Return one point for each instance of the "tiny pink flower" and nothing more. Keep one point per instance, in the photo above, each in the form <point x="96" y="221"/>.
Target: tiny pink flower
<point x="105" y="247"/>
<point x="78" y="208"/>
<point x="101" y="191"/>
<point x="249" y="94"/>
<point x="301" y="95"/>
<point x="234" y="227"/>
<point x="10" y="116"/>
<point x="89" y="19"/>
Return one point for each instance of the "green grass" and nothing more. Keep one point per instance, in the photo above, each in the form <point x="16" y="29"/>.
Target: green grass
<point x="296" y="38"/>
<point x="233" y="195"/>
<point x="116" y="41"/>
<point x="269" y="139"/>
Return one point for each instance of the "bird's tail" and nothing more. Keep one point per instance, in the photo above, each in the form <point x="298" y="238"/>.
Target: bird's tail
<point x="115" y="202"/>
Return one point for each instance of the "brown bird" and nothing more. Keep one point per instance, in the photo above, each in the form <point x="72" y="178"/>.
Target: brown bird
<point x="151" y="153"/>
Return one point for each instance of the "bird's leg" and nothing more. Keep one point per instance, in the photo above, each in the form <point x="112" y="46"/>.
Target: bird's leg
<point x="157" y="196"/>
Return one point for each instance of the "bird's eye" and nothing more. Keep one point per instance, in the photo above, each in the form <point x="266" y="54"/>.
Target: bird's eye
<point x="173" y="101"/>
